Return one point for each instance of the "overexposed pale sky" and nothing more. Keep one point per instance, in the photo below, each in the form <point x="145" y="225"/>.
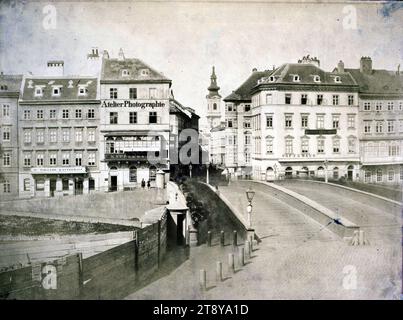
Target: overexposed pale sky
<point x="184" y="39"/>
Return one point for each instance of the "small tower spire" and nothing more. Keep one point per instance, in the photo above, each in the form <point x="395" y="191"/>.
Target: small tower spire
<point x="213" y="88"/>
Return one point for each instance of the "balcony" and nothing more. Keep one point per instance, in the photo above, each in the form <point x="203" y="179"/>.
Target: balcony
<point x="139" y="156"/>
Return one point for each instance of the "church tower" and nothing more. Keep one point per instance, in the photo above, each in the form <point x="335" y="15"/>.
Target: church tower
<point x="213" y="102"/>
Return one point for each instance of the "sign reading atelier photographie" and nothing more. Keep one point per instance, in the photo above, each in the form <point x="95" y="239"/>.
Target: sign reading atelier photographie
<point x="132" y="104"/>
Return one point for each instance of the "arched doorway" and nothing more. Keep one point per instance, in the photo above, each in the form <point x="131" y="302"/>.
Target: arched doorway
<point x="321" y="172"/>
<point x="270" y="174"/>
<point x="304" y="172"/>
<point x="335" y="173"/>
<point x="288" y="173"/>
<point x="350" y="172"/>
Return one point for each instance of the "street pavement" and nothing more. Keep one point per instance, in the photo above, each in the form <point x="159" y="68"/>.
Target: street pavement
<point x="297" y="259"/>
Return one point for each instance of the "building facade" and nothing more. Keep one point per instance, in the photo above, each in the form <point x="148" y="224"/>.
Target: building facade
<point x="380" y="120"/>
<point x="58" y="135"/>
<point x="10" y="86"/>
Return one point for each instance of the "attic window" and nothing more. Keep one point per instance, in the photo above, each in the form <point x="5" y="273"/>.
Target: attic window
<point x="38" y="92"/>
<point x="296" y="78"/>
<point x="3" y="87"/>
<point x="82" y="91"/>
<point x="316" y="78"/>
<point x="271" y="79"/>
<point x="125" y="72"/>
<point x="56" y="91"/>
<point x="145" y="72"/>
<point x="337" y="79"/>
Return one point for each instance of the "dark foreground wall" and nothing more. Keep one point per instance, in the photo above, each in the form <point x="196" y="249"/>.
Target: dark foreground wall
<point x="111" y="274"/>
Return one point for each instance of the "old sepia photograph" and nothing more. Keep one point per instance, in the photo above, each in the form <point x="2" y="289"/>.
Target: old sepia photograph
<point x="223" y="150"/>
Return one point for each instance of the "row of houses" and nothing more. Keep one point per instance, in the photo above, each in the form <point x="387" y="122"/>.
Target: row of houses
<point x="65" y="135"/>
<point x="298" y="120"/>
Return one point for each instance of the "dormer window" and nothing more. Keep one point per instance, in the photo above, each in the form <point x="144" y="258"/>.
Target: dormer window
<point x="145" y="72"/>
<point x="296" y="78"/>
<point x="82" y="91"/>
<point x="316" y="78"/>
<point x="271" y="79"/>
<point x="337" y="79"/>
<point x="56" y="91"/>
<point x="38" y="92"/>
<point x="3" y="87"/>
<point x="125" y="72"/>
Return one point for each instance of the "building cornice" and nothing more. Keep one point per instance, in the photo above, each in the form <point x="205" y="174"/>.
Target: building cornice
<point x="305" y="87"/>
<point x="56" y="102"/>
<point x="133" y="81"/>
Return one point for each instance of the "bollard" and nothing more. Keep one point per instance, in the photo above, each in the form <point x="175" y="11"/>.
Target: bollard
<point x="251" y="244"/>
<point x="219" y="276"/>
<point x="247" y="249"/>
<point x="235" y="239"/>
<point x="242" y="257"/>
<point x="203" y="279"/>
<point x="209" y="238"/>
<point x="222" y="239"/>
<point x="361" y="237"/>
<point x="231" y="263"/>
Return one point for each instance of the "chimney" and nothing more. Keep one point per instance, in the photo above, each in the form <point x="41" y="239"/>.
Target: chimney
<point x="340" y="67"/>
<point x="121" y="55"/>
<point x="366" y="65"/>
<point x="398" y="70"/>
<point x="254" y="70"/>
<point x="55" y="68"/>
<point x="105" y="54"/>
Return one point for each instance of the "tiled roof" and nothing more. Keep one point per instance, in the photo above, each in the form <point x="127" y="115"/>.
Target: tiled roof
<point x="243" y="92"/>
<point x="10" y="83"/>
<point x="378" y="82"/>
<point x="112" y="70"/>
<point x="69" y="88"/>
<point x="306" y="73"/>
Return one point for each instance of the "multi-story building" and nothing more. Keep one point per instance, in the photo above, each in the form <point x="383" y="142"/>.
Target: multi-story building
<point x="380" y="121"/>
<point x="10" y="86"/>
<point x="137" y="115"/>
<point x="58" y="134"/>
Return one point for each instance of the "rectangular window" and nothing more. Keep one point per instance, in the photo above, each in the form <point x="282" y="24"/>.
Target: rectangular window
<point x="79" y="159"/>
<point x="6" y="159"/>
<point x="320" y="121"/>
<point x="335" y="121"/>
<point x="288" y="147"/>
<point x="335" y="99"/>
<point x="40" y="136"/>
<point x="65" y="113"/>
<point x="133" y="117"/>
<point x="269" y="121"/>
<point x="229" y="123"/>
<point x="350" y="100"/>
<point x="378" y="175"/>
<point x="319" y="99"/>
<point x="113" y="117"/>
<point x="378" y="126"/>
<point x="56" y="92"/>
<point x="66" y="135"/>
<point x="336" y="146"/>
<point x="304" y="98"/>
<point x="132" y="93"/>
<point x="368" y="175"/>
<point x="390" y="106"/>
<point x="288" y="98"/>
<point x="91" y="135"/>
<point x="304" y="146"/>
<point x="391" y="175"/>
<point x="304" y="121"/>
<point x="27" y="114"/>
<point x="269" y="98"/>
<point x="113" y="93"/>
<point x="65" y="184"/>
<point x="153" y="93"/>
<point x="351" y="145"/>
<point x="269" y="146"/>
<point x="79" y="135"/>
<point x="91" y="114"/>
<point x="321" y="146"/>
<point x="27" y="159"/>
<point x="66" y="159"/>
<point x="367" y="126"/>
<point x="247" y="139"/>
<point x="27" y="185"/>
<point x="39" y="114"/>
<point x="391" y="126"/>
<point x="6" y="133"/>
<point x="52" y="114"/>
<point x="247" y="107"/>
<point x="6" y="110"/>
<point x="6" y="186"/>
<point x="52" y="159"/>
<point x="152" y="117"/>
<point x="246" y="124"/>
<point x="91" y="159"/>
<point x="351" y="121"/>
<point x="378" y="106"/>
<point x="27" y="136"/>
<point x="78" y="114"/>
<point x="288" y="121"/>
<point x="53" y="135"/>
<point x="39" y="160"/>
<point x="367" y="107"/>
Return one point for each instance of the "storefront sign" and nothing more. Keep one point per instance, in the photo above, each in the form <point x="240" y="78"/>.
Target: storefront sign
<point x="320" y="131"/>
<point x="58" y="170"/>
<point x="132" y="104"/>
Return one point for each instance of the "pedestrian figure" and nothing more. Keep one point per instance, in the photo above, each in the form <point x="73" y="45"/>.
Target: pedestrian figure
<point x="143" y="183"/>
<point x="148" y="184"/>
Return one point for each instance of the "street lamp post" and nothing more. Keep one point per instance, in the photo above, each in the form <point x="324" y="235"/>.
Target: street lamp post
<point x="275" y="171"/>
<point x="249" y="195"/>
<point x="325" y="163"/>
<point x="190" y="171"/>
<point x="207" y="173"/>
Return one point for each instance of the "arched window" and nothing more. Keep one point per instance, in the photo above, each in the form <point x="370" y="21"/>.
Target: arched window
<point x="113" y="168"/>
<point x="214" y="106"/>
<point x="133" y="174"/>
<point x="288" y="172"/>
<point x="321" y="172"/>
<point x="153" y="173"/>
